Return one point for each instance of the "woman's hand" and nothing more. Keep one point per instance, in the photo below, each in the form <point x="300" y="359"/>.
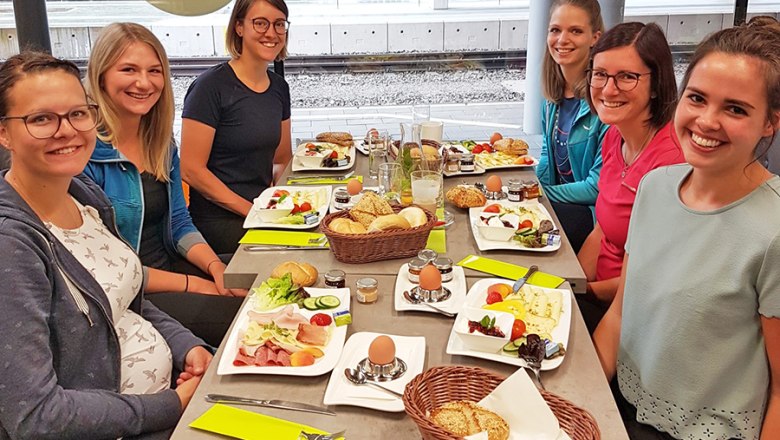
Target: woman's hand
<point x="217" y="270"/>
<point x="201" y="285"/>
<point x="195" y="364"/>
<point x="186" y="388"/>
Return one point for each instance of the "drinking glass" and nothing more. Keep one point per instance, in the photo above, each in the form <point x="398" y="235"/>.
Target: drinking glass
<point x="377" y="152"/>
<point x="390" y="178"/>
<point x="427" y="189"/>
<point x="421" y="113"/>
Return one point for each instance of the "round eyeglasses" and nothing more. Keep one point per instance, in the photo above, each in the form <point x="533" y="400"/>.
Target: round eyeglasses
<point x="261" y="26"/>
<point x="44" y="125"/>
<point x="624" y="81"/>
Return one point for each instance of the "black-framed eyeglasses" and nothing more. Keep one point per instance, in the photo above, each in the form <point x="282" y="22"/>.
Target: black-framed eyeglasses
<point x="44" y="125"/>
<point x="624" y="81"/>
<point x="261" y="25"/>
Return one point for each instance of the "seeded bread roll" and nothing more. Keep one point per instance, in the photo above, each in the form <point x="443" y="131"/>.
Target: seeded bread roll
<point x="336" y="137"/>
<point x="466" y="197"/>
<point x="463" y="417"/>
<point x="369" y="208"/>
<point x="512" y="147"/>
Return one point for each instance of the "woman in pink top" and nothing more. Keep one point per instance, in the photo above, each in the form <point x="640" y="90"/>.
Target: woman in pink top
<point x="633" y="89"/>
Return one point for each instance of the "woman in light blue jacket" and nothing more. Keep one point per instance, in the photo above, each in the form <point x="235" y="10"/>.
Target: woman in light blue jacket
<point x="570" y="162"/>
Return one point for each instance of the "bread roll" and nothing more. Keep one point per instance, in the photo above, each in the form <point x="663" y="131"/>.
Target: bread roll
<point x="430" y="153"/>
<point x="389" y="223"/>
<point x="347" y="226"/>
<point x="303" y="274"/>
<point x="466" y="197"/>
<point x="513" y="147"/>
<point x="414" y="215"/>
<point x="463" y="417"/>
<point x="336" y="137"/>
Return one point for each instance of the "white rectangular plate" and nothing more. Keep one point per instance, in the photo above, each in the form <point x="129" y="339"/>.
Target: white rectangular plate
<point x="476" y="297"/>
<point x="298" y="166"/>
<point x="453" y="304"/>
<point x="482" y="166"/>
<point x="320" y="366"/>
<point x="488" y="245"/>
<point x="253" y="220"/>
<point x="340" y="391"/>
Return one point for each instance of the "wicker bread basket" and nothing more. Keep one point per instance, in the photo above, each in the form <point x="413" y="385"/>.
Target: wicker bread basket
<point x="439" y="385"/>
<point x="376" y="246"/>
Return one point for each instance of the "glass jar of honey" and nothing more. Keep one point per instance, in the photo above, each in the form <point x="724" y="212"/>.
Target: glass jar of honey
<point x="367" y="290"/>
<point x="531" y="189"/>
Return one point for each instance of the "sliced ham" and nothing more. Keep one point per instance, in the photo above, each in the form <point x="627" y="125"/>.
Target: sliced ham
<point x="312" y="334"/>
<point x="285" y="318"/>
<point x="268" y="355"/>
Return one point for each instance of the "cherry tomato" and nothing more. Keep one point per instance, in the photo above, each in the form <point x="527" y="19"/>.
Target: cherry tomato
<point x="439" y="223"/>
<point x="305" y="207"/>
<point x="492" y="208"/>
<point x="334" y="155"/>
<point x="518" y="329"/>
<point x="494" y="297"/>
<point x="477" y="149"/>
<point x="281" y="192"/>
<point x="324" y="320"/>
<point x="296" y="209"/>
<point x="311" y="146"/>
<point x="526" y="224"/>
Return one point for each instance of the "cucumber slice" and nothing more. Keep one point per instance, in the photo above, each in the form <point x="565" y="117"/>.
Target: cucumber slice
<point x="523" y="231"/>
<point x="310" y="303"/>
<point x="519" y="341"/>
<point x="510" y="347"/>
<point x="328" y="302"/>
<point x="528" y="231"/>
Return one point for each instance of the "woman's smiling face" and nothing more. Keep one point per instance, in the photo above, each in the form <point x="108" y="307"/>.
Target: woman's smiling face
<point x="570" y="36"/>
<point x="135" y="81"/>
<point x="267" y="45"/>
<point x="613" y="105"/>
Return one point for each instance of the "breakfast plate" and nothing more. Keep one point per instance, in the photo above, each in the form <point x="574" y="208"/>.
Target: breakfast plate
<point x="529" y="208"/>
<point x="489" y="161"/>
<point x="340" y="391"/>
<point x="476" y="298"/>
<point x="352" y="200"/>
<point x="332" y="351"/>
<point x="301" y="162"/>
<point x="453" y="304"/>
<point x="317" y="196"/>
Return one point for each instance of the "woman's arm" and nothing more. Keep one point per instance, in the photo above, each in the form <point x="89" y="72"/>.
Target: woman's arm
<point x="283" y="151"/>
<point x="588" y="255"/>
<point x="202" y="256"/>
<point x="196" y="141"/>
<point x="164" y="281"/>
<point x="771" y="329"/>
<point x="606" y="338"/>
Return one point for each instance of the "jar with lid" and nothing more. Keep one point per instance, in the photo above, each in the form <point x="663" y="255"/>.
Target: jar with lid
<point x="531" y="189"/>
<point x="444" y="265"/>
<point x="415" y="266"/>
<point x="453" y="163"/>
<point x="341" y="197"/>
<point x="367" y="291"/>
<point x="336" y="279"/>
<point x="467" y="162"/>
<point x="427" y="255"/>
<point x="515" y="190"/>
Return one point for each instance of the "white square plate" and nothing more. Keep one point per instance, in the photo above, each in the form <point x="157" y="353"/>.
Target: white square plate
<point x="298" y="166"/>
<point x="476" y="298"/>
<point x="320" y="366"/>
<point x="453" y="304"/>
<point x="340" y="391"/>
<point x="488" y="245"/>
<point x="253" y="219"/>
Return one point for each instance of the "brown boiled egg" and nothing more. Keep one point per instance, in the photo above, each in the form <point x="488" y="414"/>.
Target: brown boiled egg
<point x="381" y="351"/>
<point x="430" y="278"/>
<point x="493" y="184"/>
<point x="354" y="187"/>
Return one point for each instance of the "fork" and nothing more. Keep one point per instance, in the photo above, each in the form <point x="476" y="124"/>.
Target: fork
<point x="311" y="436"/>
<point x="321" y="177"/>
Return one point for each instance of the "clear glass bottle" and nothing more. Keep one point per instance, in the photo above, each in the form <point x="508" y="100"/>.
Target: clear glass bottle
<point x="410" y="156"/>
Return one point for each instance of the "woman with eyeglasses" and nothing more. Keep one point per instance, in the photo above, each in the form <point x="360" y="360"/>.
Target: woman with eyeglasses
<point x="85" y="355"/>
<point x="236" y="124"/>
<point x="693" y="336"/>
<point x="570" y="162"/>
<point x="633" y="89"/>
<point x="136" y="164"/>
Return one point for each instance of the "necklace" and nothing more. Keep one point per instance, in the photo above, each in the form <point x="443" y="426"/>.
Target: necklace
<point x="627" y="163"/>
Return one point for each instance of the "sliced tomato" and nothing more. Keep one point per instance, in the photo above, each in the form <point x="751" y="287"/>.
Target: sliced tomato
<point x="477" y="149"/>
<point x="492" y="208"/>
<point x="321" y="319"/>
<point x="311" y="146"/>
<point x="305" y="207"/>
<point x="280" y="193"/>
<point x="494" y="297"/>
<point x="526" y="224"/>
<point x="334" y="155"/>
<point x="296" y="209"/>
<point x="518" y="329"/>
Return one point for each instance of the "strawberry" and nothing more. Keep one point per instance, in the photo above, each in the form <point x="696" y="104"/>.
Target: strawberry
<point x="494" y="297"/>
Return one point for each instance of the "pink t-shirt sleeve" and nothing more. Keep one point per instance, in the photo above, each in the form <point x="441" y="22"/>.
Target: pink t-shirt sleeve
<point x="617" y="191"/>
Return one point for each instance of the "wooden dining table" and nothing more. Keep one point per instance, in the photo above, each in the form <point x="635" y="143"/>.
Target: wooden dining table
<point x="579" y="378"/>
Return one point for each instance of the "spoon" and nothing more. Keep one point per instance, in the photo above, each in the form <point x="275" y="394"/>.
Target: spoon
<point x="359" y="378"/>
<point x="413" y="300"/>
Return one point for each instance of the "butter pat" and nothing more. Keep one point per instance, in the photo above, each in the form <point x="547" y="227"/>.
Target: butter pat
<point x="311" y="218"/>
<point x="342" y="317"/>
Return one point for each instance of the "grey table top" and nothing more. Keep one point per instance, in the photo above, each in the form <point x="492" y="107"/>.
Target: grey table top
<point x="245" y="265"/>
<point x="579" y="378"/>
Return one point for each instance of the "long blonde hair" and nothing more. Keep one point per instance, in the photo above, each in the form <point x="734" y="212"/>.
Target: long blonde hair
<point x="156" y="129"/>
<point x="553" y="82"/>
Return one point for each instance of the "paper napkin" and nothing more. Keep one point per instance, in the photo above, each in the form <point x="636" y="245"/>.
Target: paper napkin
<point x="518" y="401"/>
<point x="324" y="181"/>
<point x="510" y="271"/>
<point x="437" y="241"/>
<point x="284" y="238"/>
<point x="248" y="425"/>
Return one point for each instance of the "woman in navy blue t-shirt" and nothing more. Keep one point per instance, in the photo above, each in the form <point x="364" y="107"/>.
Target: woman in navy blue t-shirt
<point x="236" y="124"/>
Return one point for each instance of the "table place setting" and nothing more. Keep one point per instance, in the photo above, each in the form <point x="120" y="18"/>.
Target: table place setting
<point x="457" y="288"/>
<point x="289" y="207"/>
<point x="269" y="240"/>
<point x="248" y="425"/>
<point x="509" y="271"/>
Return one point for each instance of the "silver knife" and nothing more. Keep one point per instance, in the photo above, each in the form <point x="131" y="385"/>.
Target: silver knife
<point x="520" y="281"/>
<point x="261" y="248"/>
<point x="281" y="404"/>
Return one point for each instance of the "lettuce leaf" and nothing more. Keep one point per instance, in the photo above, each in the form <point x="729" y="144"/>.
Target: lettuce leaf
<point x="275" y="292"/>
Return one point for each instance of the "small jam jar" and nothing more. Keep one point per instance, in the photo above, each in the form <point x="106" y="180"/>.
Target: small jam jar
<point x="427" y="255"/>
<point x="531" y="189"/>
<point x="467" y="162"/>
<point x="341" y="197"/>
<point x="444" y="265"/>
<point x="367" y="291"/>
<point x="336" y="279"/>
<point x="415" y="266"/>
<point x="453" y="163"/>
<point x="515" y="190"/>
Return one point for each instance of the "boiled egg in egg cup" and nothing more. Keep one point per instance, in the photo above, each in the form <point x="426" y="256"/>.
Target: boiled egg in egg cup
<point x="493" y="189"/>
<point x="430" y="289"/>
<point x="382" y="365"/>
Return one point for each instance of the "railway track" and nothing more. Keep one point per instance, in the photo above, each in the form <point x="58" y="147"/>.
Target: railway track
<point x="382" y="63"/>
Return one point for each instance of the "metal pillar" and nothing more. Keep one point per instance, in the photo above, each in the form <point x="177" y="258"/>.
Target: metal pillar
<point x="441" y="4"/>
<point x="32" y="25"/>
<point x="612" y="12"/>
<point x="538" y="19"/>
<point x="740" y="12"/>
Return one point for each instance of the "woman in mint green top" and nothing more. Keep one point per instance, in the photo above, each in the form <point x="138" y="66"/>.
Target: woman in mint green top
<point x="570" y="162"/>
<point x="694" y="332"/>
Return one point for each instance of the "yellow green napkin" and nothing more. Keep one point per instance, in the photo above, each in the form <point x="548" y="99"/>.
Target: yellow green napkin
<point x="511" y="271"/>
<point x="437" y="241"/>
<point x="323" y="181"/>
<point x="248" y="425"/>
<point x="284" y="238"/>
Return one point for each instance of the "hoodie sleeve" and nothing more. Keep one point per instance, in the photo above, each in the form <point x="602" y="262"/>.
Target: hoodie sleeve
<point x="543" y="171"/>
